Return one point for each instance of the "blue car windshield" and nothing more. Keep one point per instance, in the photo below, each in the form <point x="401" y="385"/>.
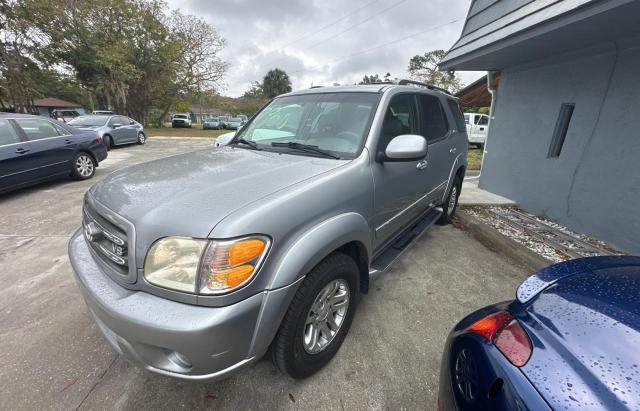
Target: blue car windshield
<point x="89" y="121"/>
<point x="334" y="122"/>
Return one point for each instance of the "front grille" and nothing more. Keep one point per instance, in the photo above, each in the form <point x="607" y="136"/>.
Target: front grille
<point x="109" y="242"/>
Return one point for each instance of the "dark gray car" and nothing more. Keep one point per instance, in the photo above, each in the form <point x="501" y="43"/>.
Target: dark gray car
<point x="193" y="266"/>
<point x="114" y="130"/>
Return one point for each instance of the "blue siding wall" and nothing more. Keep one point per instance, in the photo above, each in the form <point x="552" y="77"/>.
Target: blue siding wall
<point x="594" y="186"/>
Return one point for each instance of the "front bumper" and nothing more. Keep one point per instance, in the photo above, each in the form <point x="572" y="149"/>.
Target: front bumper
<point x="159" y="334"/>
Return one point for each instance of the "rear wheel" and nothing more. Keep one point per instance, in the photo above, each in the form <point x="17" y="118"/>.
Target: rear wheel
<point x="108" y="142"/>
<point x="451" y="204"/>
<point x="83" y="167"/>
<point x="318" y="318"/>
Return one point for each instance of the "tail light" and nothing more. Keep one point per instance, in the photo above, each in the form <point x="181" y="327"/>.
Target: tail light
<point x="506" y="333"/>
<point x="99" y="138"/>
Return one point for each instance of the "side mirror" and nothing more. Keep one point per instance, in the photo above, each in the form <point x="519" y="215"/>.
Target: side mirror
<point x="116" y="125"/>
<point x="224" y="139"/>
<point x="406" y="147"/>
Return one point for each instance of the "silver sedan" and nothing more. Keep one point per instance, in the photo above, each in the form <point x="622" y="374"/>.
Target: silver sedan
<point x="114" y="130"/>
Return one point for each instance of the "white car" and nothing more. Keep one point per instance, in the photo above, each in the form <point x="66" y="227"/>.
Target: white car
<point x="181" y="120"/>
<point x="477" y="128"/>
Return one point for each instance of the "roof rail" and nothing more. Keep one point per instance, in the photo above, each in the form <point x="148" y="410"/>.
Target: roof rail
<point x="405" y="82"/>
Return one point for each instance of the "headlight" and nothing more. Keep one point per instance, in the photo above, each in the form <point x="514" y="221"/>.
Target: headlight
<point x="208" y="267"/>
<point x="227" y="265"/>
<point x="173" y="263"/>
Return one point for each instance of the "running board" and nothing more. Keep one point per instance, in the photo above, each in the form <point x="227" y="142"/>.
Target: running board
<point x="400" y="244"/>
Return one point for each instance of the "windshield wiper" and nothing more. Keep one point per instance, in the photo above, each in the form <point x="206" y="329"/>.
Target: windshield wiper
<point x="249" y="143"/>
<point x="304" y="147"/>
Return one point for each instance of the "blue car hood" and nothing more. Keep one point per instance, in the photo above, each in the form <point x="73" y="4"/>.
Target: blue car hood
<point x="585" y="329"/>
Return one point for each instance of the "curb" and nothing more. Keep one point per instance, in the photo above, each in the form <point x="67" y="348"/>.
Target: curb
<point x="499" y="243"/>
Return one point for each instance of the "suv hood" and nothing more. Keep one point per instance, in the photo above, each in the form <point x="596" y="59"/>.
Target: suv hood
<point x="188" y="194"/>
<point x="587" y="334"/>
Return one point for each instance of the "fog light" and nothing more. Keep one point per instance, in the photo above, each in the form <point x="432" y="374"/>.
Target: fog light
<point x="180" y="360"/>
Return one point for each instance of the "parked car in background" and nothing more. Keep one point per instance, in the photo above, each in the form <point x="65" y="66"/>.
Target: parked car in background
<point x="269" y="240"/>
<point x="223" y="120"/>
<point x="477" y="128"/>
<point x="233" y="123"/>
<point x="212" y="123"/>
<point x="64" y="115"/>
<point x="243" y="118"/>
<point x="569" y="341"/>
<point x="102" y="112"/>
<point x="114" y="130"/>
<point x="34" y="149"/>
<point x="181" y="120"/>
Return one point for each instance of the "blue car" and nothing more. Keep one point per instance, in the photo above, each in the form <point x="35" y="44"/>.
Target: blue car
<point x="114" y="130"/>
<point x="570" y="341"/>
<point x="34" y="149"/>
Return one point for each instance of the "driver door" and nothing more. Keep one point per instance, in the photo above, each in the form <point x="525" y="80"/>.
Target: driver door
<point x="400" y="187"/>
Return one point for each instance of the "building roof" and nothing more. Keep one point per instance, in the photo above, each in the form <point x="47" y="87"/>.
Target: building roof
<point x="476" y="94"/>
<point x="504" y="33"/>
<point x="54" y="102"/>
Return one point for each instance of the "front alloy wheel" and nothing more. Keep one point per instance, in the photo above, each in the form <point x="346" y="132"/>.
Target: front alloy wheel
<point x="318" y="318"/>
<point x="141" y="138"/>
<point x="326" y="315"/>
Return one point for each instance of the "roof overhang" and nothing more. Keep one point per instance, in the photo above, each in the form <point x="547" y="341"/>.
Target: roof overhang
<point x="554" y="27"/>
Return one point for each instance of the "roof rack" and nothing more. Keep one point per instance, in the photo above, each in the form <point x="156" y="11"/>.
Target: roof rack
<point x="405" y="82"/>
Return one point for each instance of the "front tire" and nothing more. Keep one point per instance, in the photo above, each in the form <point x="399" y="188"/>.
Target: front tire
<point x="318" y="318"/>
<point x="451" y="204"/>
<point x="141" y="138"/>
<point x="83" y="166"/>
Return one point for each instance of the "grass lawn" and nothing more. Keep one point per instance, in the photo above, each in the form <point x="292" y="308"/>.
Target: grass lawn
<point x="195" y="131"/>
<point x="474" y="158"/>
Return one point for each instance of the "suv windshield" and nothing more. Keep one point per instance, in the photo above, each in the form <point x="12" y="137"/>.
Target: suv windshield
<point x="89" y="121"/>
<point x="180" y="116"/>
<point x="334" y="122"/>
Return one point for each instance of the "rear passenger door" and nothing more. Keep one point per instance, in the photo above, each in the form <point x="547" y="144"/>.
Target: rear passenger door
<point x="434" y="126"/>
<point x="18" y="165"/>
<point x="53" y="146"/>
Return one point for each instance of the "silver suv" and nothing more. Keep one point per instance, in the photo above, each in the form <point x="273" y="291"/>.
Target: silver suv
<point x="193" y="266"/>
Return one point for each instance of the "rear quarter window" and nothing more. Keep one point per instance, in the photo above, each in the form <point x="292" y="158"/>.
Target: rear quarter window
<point x="457" y="115"/>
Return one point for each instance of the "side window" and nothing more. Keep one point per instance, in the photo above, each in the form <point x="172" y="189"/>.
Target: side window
<point x="457" y="115"/>
<point x="130" y="121"/>
<point x="434" y="124"/>
<point x="112" y="121"/>
<point x="400" y="118"/>
<point x="123" y="120"/>
<point x="8" y="134"/>
<point x="37" y="129"/>
<point x="484" y="120"/>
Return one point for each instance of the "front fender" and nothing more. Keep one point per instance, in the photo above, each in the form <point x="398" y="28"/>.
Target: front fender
<point x="314" y="244"/>
<point x="301" y="255"/>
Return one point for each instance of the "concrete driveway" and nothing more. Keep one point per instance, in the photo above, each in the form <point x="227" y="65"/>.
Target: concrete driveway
<point x="53" y="357"/>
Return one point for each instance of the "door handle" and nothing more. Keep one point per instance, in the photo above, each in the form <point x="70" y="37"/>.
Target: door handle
<point x="22" y="150"/>
<point x="422" y="165"/>
<point x="453" y="150"/>
<point x="67" y="141"/>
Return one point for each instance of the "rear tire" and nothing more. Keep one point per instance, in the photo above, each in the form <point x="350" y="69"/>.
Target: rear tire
<point x="451" y="203"/>
<point x="83" y="166"/>
<point x="108" y="142"/>
<point x="304" y="342"/>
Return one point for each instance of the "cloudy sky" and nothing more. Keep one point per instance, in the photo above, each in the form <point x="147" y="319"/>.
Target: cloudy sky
<point x="322" y="42"/>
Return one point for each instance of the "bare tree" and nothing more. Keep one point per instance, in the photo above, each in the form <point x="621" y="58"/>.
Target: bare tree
<point x="195" y="49"/>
